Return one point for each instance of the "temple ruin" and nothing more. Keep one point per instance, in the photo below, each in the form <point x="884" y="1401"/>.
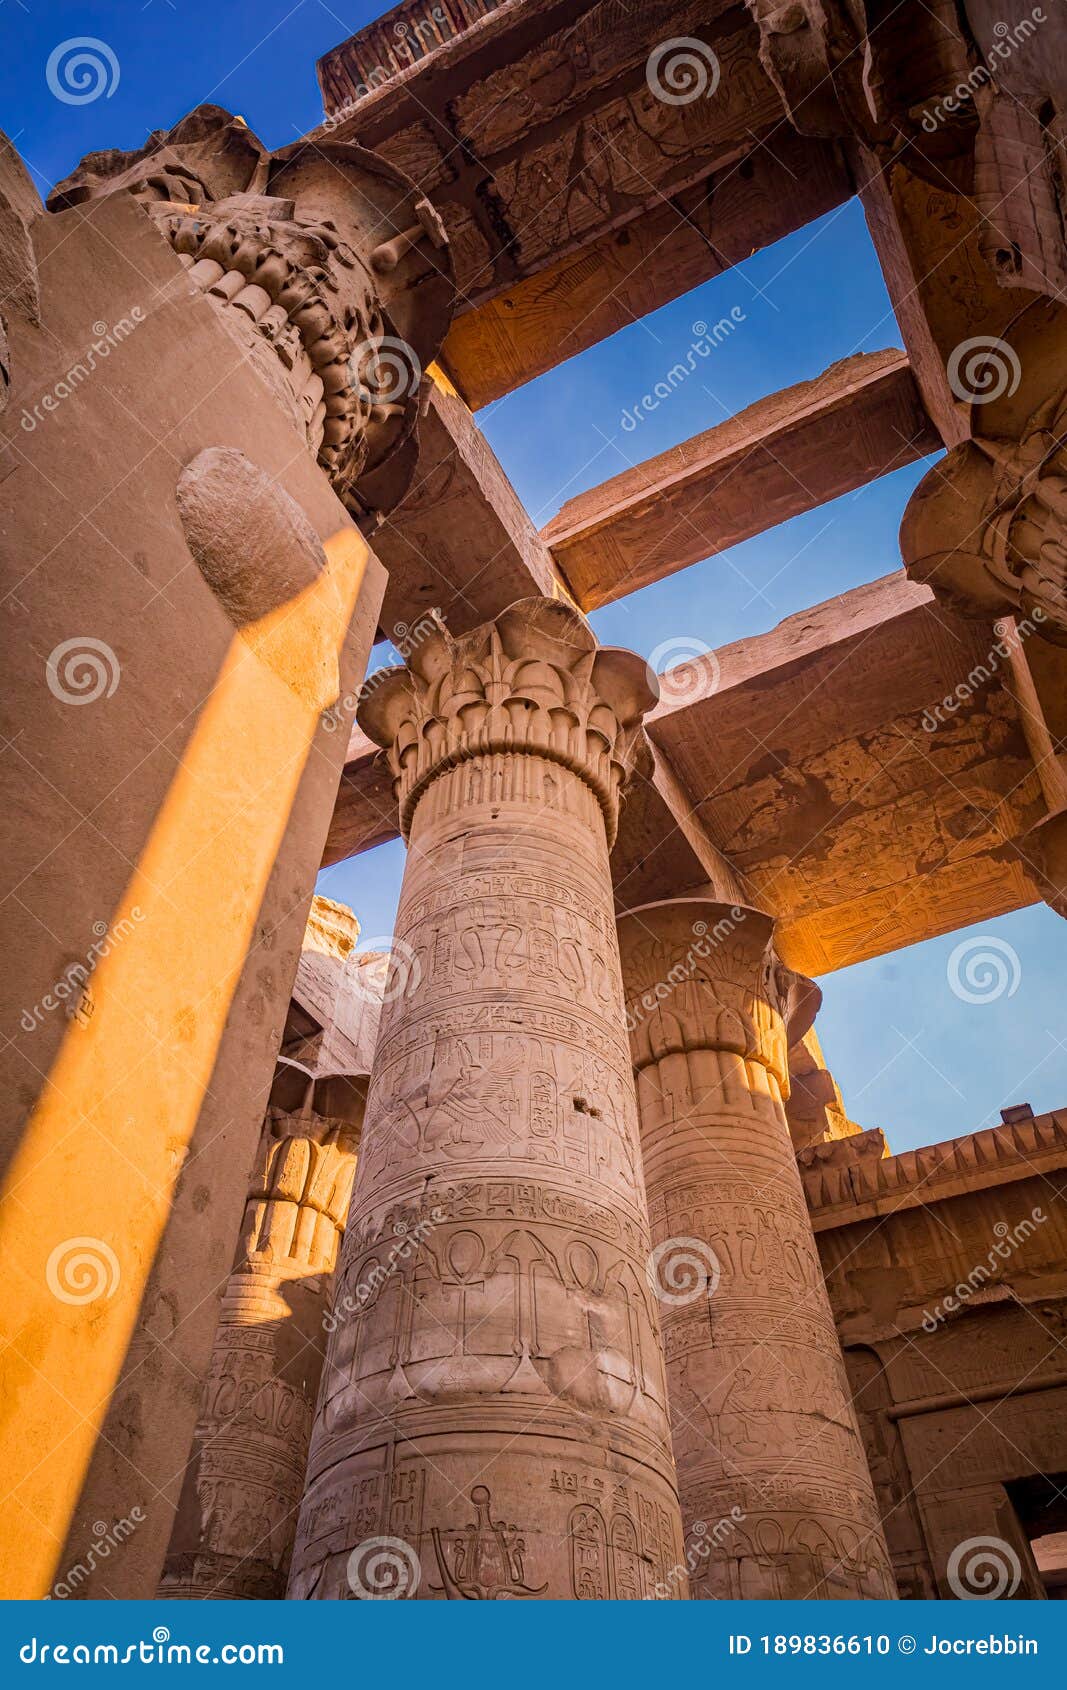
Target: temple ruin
<point x="539" y="1258"/>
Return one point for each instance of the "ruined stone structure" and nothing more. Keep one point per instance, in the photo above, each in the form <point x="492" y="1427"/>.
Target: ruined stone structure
<point x="237" y="447"/>
<point x="945" y="1269"/>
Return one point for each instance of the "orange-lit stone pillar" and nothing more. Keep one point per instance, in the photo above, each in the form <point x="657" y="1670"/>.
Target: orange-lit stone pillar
<point x="236" y="1520"/>
<point x="492" y="1421"/>
<point x="776" y="1496"/>
<point x="182" y="333"/>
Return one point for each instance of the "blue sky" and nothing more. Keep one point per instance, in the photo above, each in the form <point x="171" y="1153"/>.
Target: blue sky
<point x="910" y="1053"/>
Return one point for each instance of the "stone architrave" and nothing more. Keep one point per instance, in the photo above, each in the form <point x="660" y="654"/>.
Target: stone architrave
<point x="492" y="1422"/>
<point x="776" y="1495"/>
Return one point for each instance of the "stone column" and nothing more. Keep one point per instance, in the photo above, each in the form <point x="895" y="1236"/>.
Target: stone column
<point x="492" y="1421"/>
<point x="174" y="720"/>
<point x="236" y="1521"/>
<point x="236" y="1518"/>
<point x="776" y="1496"/>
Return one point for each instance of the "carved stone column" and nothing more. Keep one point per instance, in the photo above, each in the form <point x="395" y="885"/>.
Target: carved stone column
<point x="181" y="675"/>
<point x="493" y="1419"/>
<point x="236" y="1520"/>
<point x="776" y="1495"/>
<point x="243" y="1483"/>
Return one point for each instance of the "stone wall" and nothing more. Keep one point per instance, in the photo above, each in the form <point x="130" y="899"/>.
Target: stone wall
<point x="945" y="1268"/>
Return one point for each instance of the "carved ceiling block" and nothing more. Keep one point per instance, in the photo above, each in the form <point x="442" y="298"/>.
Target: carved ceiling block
<point x="972" y="98"/>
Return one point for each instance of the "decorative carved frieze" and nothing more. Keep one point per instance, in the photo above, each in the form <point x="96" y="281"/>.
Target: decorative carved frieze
<point x="856" y="1174"/>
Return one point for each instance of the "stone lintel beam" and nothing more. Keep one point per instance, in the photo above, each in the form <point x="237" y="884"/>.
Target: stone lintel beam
<point x="461" y="541"/>
<point x="747" y="203"/>
<point x="576" y="199"/>
<point x="818" y="765"/>
<point x="942" y="289"/>
<point x="663" y="846"/>
<point x="826" y="767"/>
<point x="787" y="453"/>
<point x="365" y="814"/>
<point x="521" y="180"/>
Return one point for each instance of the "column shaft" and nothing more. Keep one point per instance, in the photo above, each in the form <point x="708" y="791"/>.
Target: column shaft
<point x="236" y="1520"/>
<point x="493" y="1418"/>
<point x="776" y="1495"/>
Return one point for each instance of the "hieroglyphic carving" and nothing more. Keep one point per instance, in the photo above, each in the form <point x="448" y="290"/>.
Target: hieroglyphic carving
<point x="482" y="1561"/>
<point x="760" y="1408"/>
<point x="622" y="1544"/>
<point x="501" y="1123"/>
<point x="245" y="1478"/>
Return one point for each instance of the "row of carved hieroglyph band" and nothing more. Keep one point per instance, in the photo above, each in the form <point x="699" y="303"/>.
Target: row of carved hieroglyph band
<point x="514" y="783"/>
<point x="501" y="1097"/>
<point x="496" y="1310"/>
<point x="532" y="946"/>
<point x="763" y="1253"/>
<point x="514" y="1200"/>
<point x="691" y="1328"/>
<point x="793" y="1558"/>
<point x="777" y="1409"/>
<point x="244" y="1394"/>
<point x="482" y="1017"/>
<point x="737" y="1188"/>
<point x="252" y="1437"/>
<point x="616" y="1532"/>
<point x="512" y="894"/>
